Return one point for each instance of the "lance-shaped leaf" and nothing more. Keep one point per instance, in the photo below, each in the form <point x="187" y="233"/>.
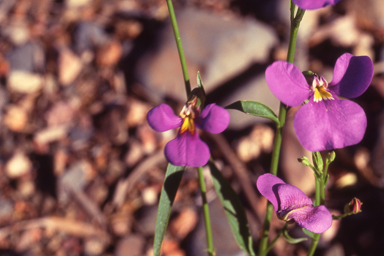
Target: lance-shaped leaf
<point x="233" y="209"/>
<point x="254" y="108"/>
<point x="168" y="192"/>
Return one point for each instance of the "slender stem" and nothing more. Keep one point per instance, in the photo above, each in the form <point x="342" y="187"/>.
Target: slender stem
<point x="295" y="22"/>
<point x="319" y="200"/>
<point x="276" y="238"/>
<point x="179" y="47"/>
<point x="208" y="229"/>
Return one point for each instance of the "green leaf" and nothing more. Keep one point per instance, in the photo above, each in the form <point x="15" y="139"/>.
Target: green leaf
<point x="168" y="192"/>
<point x="254" y="108"/>
<point x="200" y="83"/>
<point x="309" y="233"/>
<point x="233" y="209"/>
<point x="292" y="240"/>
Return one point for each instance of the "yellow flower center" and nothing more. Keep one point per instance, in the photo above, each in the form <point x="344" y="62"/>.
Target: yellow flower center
<point x="188" y="125"/>
<point x="319" y="86"/>
<point x="322" y="94"/>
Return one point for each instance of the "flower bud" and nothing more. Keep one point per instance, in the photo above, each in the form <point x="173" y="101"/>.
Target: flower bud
<point x="331" y="157"/>
<point x="304" y="160"/>
<point x="353" y="207"/>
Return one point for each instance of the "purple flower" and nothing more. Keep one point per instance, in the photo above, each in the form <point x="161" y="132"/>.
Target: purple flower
<point x="187" y="149"/>
<point x="314" y="4"/>
<point x="291" y="204"/>
<point x="325" y="122"/>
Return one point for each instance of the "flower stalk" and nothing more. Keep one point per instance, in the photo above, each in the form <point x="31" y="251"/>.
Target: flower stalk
<point x="208" y="229"/>
<point x="179" y="47"/>
<point x="295" y="23"/>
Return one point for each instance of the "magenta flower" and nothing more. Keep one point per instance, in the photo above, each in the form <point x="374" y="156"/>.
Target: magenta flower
<point x="314" y="4"/>
<point x="291" y="204"/>
<point x="325" y="122"/>
<point x="187" y="149"/>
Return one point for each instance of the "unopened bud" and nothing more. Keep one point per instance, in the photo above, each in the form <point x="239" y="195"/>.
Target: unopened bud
<point x="304" y="160"/>
<point x="353" y="207"/>
<point x="331" y="157"/>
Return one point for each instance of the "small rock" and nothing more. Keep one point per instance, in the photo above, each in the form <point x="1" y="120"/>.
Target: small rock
<point x="93" y="247"/>
<point x="121" y="225"/>
<point x="109" y="54"/>
<point x="6" y="209"/>
<point x="77" y="3"/>
<point x="50" y="134"/>
<point x="69" y="67"/>
<point x="17" y="32"/>
<point x="61" y="113"/>
<point x="134" y="154"/>
<point x="149" y="195"/>
<point x="184" y="223"/>
<point x="19" y="165"/>
<point x="88" y="35"/>
<point x="137" y="113"/>
<point x="132" y="245"/>
<point x="29" y="57"/>
<point x="24" y="82"/>
<point x="75" y="178"/>
<point x="260" y="140"/>
<point x="211" y="43"/>
<point x="26" y="188"/>
<point x="16" y="118"/>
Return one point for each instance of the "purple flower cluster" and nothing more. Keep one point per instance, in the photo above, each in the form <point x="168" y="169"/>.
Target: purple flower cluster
<point x="326" y="121"/>
<point x="187" y="149"/>
<point x="291" y="204"/>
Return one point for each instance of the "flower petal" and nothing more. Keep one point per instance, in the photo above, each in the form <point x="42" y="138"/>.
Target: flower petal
<point x="316" y="219"/>
<point x="352" y="75"/>
<point x="329" y="124"/>
<point x="287" y="83"/>
<point x="187" y="150"/>
<point x="213" y="119"/>
<point x="314" y="4"/>
<point x="267" y="184"/>
<point x="161" y="118"/>
<point x="291" y="197"/>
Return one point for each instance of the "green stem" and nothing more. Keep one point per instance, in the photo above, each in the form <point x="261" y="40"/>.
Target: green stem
<point x="179" y="47"/>
<point x="276" y="238"/>
<point x="295" y="23"/>
<point x="319" y="200"/>
<point x="208" y="229"/>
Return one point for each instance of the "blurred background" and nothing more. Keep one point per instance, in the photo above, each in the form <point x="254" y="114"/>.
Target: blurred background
<point x="81" y="170"/>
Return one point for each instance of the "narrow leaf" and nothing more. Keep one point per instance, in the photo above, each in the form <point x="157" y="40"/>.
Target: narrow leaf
<point x="168" y="192"/>
<point x="200" y="82"/>
<point x="254" y="108"/>
<point x="292" y="240"/>
<point x="309" y="233"/>
<point x="233" y="209"/>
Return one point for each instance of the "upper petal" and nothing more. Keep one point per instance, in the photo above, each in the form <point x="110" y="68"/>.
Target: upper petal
<point x="287" y="83"/>
<point x="213" y="119"/>
<point x="316" y="219"/>
<point x="314" y="4"/>
<point x="161" y="118"/>
<point x="291" y="198"/>
<point x="352" y="75"/>
<point x="329" y="124"/>
<point x="267" y="185"/>
<point x="187" y="150"/>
